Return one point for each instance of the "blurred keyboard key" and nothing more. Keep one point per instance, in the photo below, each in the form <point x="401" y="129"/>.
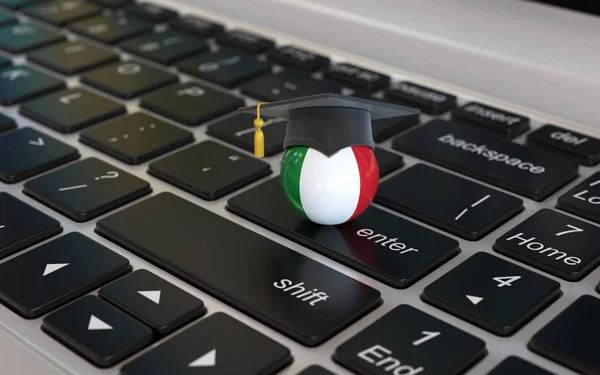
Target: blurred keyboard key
<point x="165" y="48"/>
<point x="61" y="12"/>
<point x="357" y="77"/>
<point x="428" y="100"/>
<point x="16" y="4"/>
<point x="298" y="58"/>
<point x="26" y="152"/>
<point x="70" y="110"/>
<point x="151" y="12"/>
<point x="287" y="85"/>
<point x="22" y="226"/>
<point x="226" y="67"/>
<point x="20" y="83"/>
<point x="514" y="366"/>
<point x="196" y="26"/>
<point x="191" y="103"/>
<point x="24" y="37"/>
<point x="112" y="4"/>
<point x="315" y="370"/>
<point x="71" y="57"/>
<point x="507" y="124"/>
<point x="6" y="18"/>
<point x="7" y="123"/>
<point x="244" y="41"/>
<point x="111" y="28"/>
<point x="584" y="148"/>
<point x="128" y="79"/>
<point x="136" y="138"/>
<point x="5" y="61"/>
<point x="388" y="161"/>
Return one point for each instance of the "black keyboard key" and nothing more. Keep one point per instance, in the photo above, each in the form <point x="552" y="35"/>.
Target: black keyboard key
<point x="7" y="18"/>
<point x="555" y="243"/>
<point x="409" y="341"/>
<point x="61" y="12"/>
<point x="22" y="225"/>
<point x="26" y="152"/>
<point x="191" y="103"/>
<point x="70" y="110"/>
<point x="7" y="123"/>
<point x="20" y="83"/>
<point x="97" y="331"/>
<point x="154" y="301"/>
<point x="492" y="293"/>
<point x="567" y="338"/>
<point x="71" y="57"/>
<point x="298" y="58"/>
<point x="358" y="77"/>
<point x="113" y="4"/>
<point x="196" y="26"/>
<point x="136" y="138"/>
<point x="238" y="130"/>
<point x="25" y="37"/>
<point x="111" y="28"/>
<point x="427" y="100"/>
<point x="501" y="122"/>
<point x="128" y="79"/>
<point x="218" y="345"/>
<point x="387" y="161"/>
<point x="56" y="273"/>
<point x="287" y="85"/>
<point x="315" y="370"/>
<point x="87" y="189"/>
<point x="5" y="61"/>
<point x="16" y="4"/>
<point x="151" y="12"/>
<point x="514" y="365"/>
<point x="209" y="170"/>
<point x="255" y="275"/>
<point x="226" y="67"/>
<point x="497" y="161"/>
<point x="583" y="199"/>
<point x="244" y="41"/>
<point x="166" y="47"/>
<point x="446" y="201"/>
<point x="386" y="128"/>
<point x="583" y="147"/>
<point x="400" y="252"/>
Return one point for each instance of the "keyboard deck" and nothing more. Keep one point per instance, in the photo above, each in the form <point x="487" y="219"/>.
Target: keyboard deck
<point x="138" y="234"/>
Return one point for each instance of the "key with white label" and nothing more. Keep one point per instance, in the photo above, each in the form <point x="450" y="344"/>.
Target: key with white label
<point x="111" y="28"/>
<point x="61" y="12"/>
<point x="217" y="345"/>
<point x="584" y="199"/>
<point x="97" y="331"/>
<point x="57" y="272"/>
<point x="86" y="189"/>
<point x="19" y="83"/>
<point x="154" y="301"/>
<point x="24" y="37"/>
<point x="507" y="124"/>
<point x="555" y="243"/>
<point x="583" y="147"/>
<point x="357" y="77"/>
<point x="462" y="207"/>
<point x="281" y="288"/>
<point x="72" y="57"/>
<point x="428" y="100"/>
<point x="409" y="341"/>
<point x="26" y="152"/>
<point x="492" y="293"/>
<point x="489" y="158"/>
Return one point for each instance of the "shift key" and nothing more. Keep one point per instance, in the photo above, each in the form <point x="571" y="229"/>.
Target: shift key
<point x="281" y="288"/>
<point x="525" y="171"/>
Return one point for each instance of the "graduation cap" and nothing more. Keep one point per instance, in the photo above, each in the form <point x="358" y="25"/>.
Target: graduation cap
<point x="325" y="122"/>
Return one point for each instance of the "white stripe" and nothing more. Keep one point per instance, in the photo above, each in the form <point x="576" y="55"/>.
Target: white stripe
<point x="480" y="201"/>
<point x="329" y="187"/>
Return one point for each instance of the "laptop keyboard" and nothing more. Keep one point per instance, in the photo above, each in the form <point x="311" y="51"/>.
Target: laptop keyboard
<point x="119" y="116"/>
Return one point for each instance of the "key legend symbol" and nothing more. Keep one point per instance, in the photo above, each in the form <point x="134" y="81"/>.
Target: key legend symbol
<point x="474" y="299"/>
<point x="53" y="267"/>
<point x="152" y="295"/>
<point x="96" y="324"/>
<point x="111" y="174"/>
<point x="207" y="360"/>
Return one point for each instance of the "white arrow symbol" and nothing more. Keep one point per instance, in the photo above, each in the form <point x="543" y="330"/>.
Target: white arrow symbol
<point x="53" y="267"/>
<point x="68" y="98"/>
<point x="38" y="142"/>
<point x="96" y="324"/>
<point x="474" y="300"/>
<point x="152" y="295"/>
<point x="207" y="360"/>
<point x="205" y="169"/>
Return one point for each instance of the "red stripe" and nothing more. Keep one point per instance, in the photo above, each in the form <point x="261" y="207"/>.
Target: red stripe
<point x="368" y="169"/>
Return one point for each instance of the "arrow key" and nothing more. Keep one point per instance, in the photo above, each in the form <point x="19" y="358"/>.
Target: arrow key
<point x="57" y="272"/>
<point x="218" y="345"/>
<point x="496" y="295"/>
<point x="154" y="301"/>
<point x="97" y="331"/>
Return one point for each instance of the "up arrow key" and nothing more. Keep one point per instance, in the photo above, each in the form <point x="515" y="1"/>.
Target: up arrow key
<point x="207" y="360"/>
<point x="53" y="267"/>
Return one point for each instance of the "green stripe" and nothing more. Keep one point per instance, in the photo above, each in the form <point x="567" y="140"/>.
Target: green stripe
<point x="291" y="167"/>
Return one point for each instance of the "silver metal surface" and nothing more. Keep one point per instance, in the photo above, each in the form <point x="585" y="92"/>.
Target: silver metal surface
<point x="29" y="334"/>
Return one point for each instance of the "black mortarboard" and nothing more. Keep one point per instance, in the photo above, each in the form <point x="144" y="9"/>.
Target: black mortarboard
<point x="330" y="122"/>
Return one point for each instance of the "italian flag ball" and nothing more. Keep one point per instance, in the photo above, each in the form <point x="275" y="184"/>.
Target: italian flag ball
<point x="330" y="190"/>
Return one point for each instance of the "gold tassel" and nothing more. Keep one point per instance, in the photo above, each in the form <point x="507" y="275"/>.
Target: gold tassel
<point x="259" y="137"/>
